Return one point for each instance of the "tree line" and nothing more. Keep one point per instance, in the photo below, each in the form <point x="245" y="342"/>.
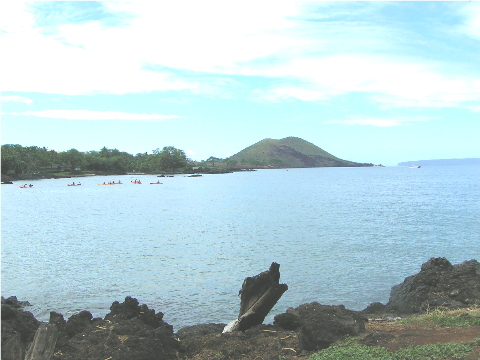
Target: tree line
<point x="33" y="160"/>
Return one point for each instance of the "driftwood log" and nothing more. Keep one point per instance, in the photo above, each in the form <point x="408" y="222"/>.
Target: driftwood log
<point x="259" y="295"/>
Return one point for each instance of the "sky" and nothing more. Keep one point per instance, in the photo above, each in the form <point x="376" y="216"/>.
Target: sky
<point x="374" y="82"/>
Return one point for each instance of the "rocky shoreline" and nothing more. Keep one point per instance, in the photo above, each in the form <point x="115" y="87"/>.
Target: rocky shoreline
<point x="133" y="331"/>
<point x="9" y="179"/>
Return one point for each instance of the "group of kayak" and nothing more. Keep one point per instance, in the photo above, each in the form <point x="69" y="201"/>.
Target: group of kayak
<point x="26" y="186"/>
<point x="112" y="183"/>
<point x="138" y="182"/>
<point x="152" y="183"/>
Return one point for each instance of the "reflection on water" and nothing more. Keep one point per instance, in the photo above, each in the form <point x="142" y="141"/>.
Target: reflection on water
<point x="341" y="235"/>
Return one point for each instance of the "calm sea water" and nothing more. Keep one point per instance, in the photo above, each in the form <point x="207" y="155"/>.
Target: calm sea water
<point x="341" y="236"/>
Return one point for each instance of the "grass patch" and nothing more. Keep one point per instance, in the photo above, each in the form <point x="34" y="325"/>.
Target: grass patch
<point x="437" y="317"/>
<point x="352" y="351"/>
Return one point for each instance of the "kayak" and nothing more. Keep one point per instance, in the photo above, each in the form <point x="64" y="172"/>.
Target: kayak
<point x="25" y="187"/>
<point x="111" y="184"/>
<point x="156" y="183"/>
<point x="137" y="182"/>
<point x="74" y="184"/>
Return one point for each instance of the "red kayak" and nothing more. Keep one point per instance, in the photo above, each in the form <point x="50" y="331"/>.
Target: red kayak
<point x="25" y="187"/>
<point x="156" y="183"/>
<point x="74" y="184"/>
<point x="137" y="182"/>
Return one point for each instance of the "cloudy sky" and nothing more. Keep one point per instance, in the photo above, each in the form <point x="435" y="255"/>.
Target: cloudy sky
<point x="379" y="82"/>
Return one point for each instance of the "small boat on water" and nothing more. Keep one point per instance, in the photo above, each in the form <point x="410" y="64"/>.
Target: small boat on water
<point x="111" y="183"/>
<point x="74" y="184"/>
<point x="26" y="186"/>
<point x="136" y="182"/>
<point x="414" y="166"/>
<point x="156" y="183"/>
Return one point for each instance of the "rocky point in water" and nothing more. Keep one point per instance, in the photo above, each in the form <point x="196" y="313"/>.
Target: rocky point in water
<point x="438" y="284"/>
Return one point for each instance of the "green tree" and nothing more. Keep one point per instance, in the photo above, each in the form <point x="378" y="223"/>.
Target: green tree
<point x="212" y="160"/>
<point x="111" y="161"/>
<point x="142" y="163"/>
<point x="37" y="158"/>
<point x="72" y="159"/>
<point x="26" y="160"/>
<point x="12" y="159"/>
<point x="104" y="152"/>
<point x="231" y="162"/>
<point x="171" y="158"/>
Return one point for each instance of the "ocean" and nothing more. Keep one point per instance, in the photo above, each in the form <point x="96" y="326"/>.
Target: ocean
<point x="341" y="236"/>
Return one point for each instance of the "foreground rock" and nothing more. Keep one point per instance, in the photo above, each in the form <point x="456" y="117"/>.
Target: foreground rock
<point x="195" y="331"/>
<point x="266" y="342"/>
<point x="18" y="328"/>
<point x="439" y="284"/>
<point x="129" y="331"/>
<point x="133" y="331"/>
<point x="321" y="325"/>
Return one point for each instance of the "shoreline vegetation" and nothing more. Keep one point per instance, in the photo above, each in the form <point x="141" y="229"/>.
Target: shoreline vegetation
<point x="33" y="162"/>
<point x="432" y="315"/>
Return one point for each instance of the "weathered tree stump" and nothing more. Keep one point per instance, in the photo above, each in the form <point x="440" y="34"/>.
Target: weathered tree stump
<point x="259" y="295"/>
<point x="43" y="343"/>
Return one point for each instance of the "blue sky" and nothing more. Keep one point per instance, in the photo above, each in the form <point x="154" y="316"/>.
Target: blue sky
<point x="379" y="82"/>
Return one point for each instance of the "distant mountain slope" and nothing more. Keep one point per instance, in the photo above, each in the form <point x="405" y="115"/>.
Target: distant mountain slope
<point x="442" y="162"/>
<point x="289" y="152"/>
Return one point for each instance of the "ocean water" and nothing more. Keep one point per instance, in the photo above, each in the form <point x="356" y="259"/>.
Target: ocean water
<point x="340" y="235"/>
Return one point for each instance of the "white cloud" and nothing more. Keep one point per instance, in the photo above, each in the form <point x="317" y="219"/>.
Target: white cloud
<point x="15" y="17"/>
<point x="77" y="59"/>
<point x="208" y="36"/>
<point x="187" y="45"/>
<point x="474" y="108"/>
<point x="89" y="58"/>
<point x="388" y="80"/>
<point x="286" y="92"/>
<point x="95" y="115"/>
<point x="16" y="98"/>
<point x="471" y="25"/>
<point x="391" y="122"/>
<point x="47" y="66"/>
<point x="370" y="122"/>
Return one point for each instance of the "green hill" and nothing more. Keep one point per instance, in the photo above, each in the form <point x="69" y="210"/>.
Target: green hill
<point x="289" y="152"/>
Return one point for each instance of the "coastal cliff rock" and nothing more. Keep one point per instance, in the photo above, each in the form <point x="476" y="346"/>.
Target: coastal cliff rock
<point x="18" y="328"/>
<point x="321" y="325"/>
<point x="439" y="284"/>
<point x="129" y="331"/>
